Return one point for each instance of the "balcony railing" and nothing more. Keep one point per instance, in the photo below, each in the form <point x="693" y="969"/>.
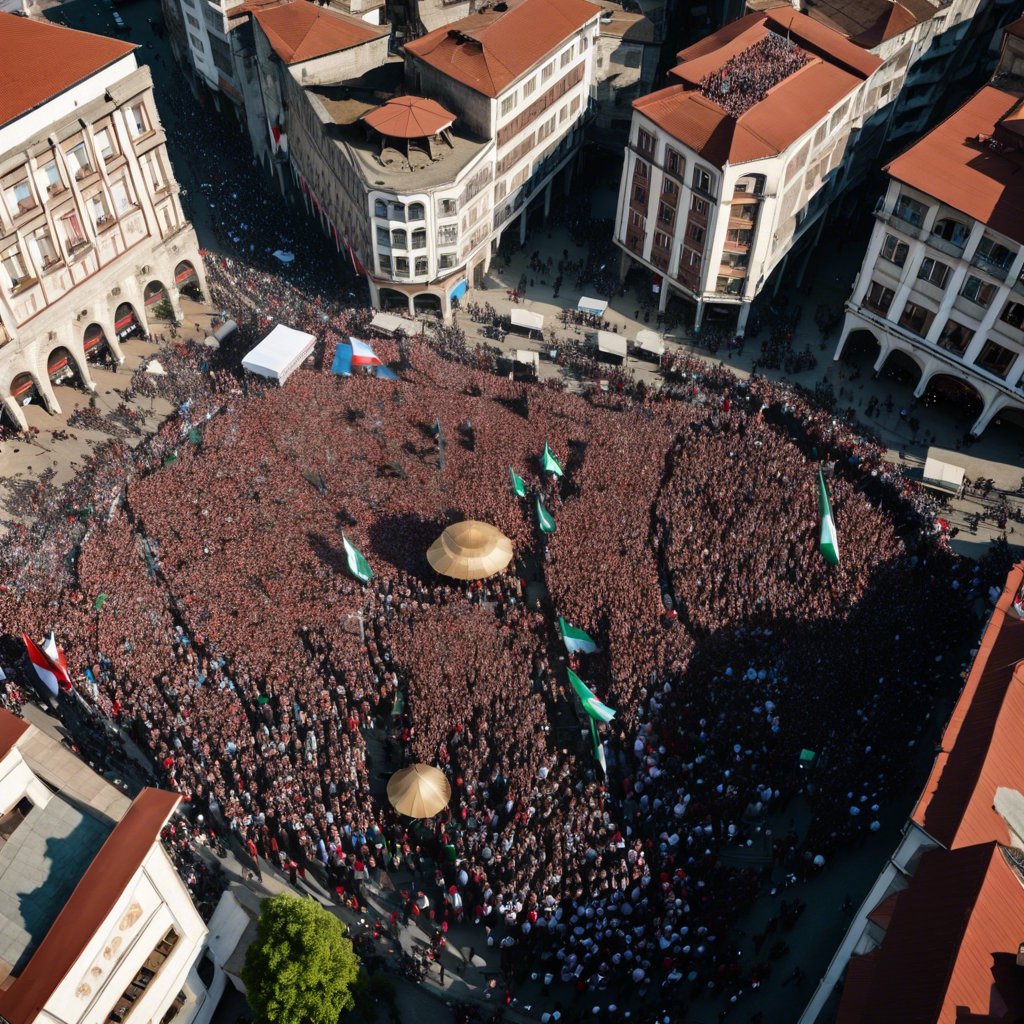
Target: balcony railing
<point x="22" y="284"/>
<point x="83" y="172"/>
<point x="994" y="268"/>
<point x="945" y="245"/>
<point x="51" y="262"/>
<point x="26" y="205"/>
<point x="55" y="189"/>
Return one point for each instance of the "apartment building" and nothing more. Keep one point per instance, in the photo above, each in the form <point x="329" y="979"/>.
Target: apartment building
<point x="91" y="228"/>
<point x="942" y="282"/>
<point x="416" y="165"/>
<point x="733" y="165"/>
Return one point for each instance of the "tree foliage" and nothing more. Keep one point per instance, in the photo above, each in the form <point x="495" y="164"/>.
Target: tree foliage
<point x="301" y="967"/>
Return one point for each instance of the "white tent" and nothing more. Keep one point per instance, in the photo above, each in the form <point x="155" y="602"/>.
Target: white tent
<point x="942" y="476"/>
<point x="280" y="353"/>
<point x="609" y="344"/>
<point x="528" y="357"/>
<point x="650" y="341"/>
<point x="588" y="305"/>
<point x="156" y="368"/>
<point x="527" y="320"/>
<point x="389" y="323"/>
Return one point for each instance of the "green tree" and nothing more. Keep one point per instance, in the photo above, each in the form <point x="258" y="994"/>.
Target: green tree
<point x="301" y="968"/>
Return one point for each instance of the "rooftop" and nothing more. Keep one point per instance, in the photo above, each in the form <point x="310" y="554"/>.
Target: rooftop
<point x="299" y="31"/>
<point x="630" y="26"/>
<point x="489" y="50"/>
<point x="39" y="60"/>
<point x="973" y="162"/>
<point x="868" y="23"/>
<point x="752" y="89"/>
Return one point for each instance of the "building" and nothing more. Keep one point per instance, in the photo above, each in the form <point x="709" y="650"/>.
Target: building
<point x="938" y="937"/>
<point x="91" y="229"/>
<point x="736" y="162"/>
<point x="95" y="924"/>
<point x="941" y="288"/>
<point x="416" y="166"/>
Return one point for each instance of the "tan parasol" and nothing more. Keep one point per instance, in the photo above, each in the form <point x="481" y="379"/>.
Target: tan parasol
<point x="470" y="550"/>
<point x="419" y="791"/>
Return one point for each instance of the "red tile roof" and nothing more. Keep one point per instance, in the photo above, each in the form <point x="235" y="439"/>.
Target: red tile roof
<point x="882" y="914"/>
<point x="983" y="180"/>
<point x="949" y="950"/>
<point x="864" y="22"/>
<point x="301" y="31"/>
<point x="409" y="117"/>
<point x="39" y="60"/>
<point x="490" y="50"/>
<point x="89" y="906"/>
<point x="12" y="729"/>
<point x="981" y="747"/>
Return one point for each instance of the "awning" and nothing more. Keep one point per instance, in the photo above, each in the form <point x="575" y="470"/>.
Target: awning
<point x="588" y="305"/>
<point x="942" y="476"/>
<point x="530" y="358"/>
<point x="650" y="341"/>
<point x="527" y="320"/>
<point x="389" y="323"/>
<point x="280" y="353"/>
<point x="610" y="344"/>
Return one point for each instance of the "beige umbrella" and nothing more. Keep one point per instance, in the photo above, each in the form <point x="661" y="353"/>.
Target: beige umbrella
<point x="470" y="550"/>
<point x="419" y="791"/>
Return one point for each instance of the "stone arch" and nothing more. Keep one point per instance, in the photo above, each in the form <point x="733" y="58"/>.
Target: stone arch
<point x="960" y="396"/>
<point x="390" y="298"/>
<point x="862" y="343"/>
<point x="154" y="293"/>
<point x="62" y="364"/>
<point x="127" y="322"/>
<point x="27" y="386"/>
<point x="94" y="341"/>
<point x="24" y="385"/>
<point x="427" y="302"/>
<point x="903" y="366"/>
<point x="186" y="280"/>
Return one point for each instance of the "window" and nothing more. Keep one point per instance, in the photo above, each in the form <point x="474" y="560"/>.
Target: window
<point x="996" y="359"/>
<point x="71" y="226"/>
<point x="138" y="120"/>
<point x="100" y="213"/>
<point x="563" y="114"/>
<point x="385" y="263"/>
<point x="20" y="198"/>
<point x="78" y="158"/>
<point x="448" y="234"/>
<point x="508" y="104"/>
<point x="640" y="169"/>
<point x="419" y="238"/>
<point x="916" y="318"/>
<point x="193" y="21"/>
<point x="668" y="187"/>
<point x="45" y="251"/>
<point x="910" y="210"/>
<point x="695" y="258"/>
<point x="567" y="57"/>
<point x="546" y="72"/>
<point x="197" y="44"/>
<point x="993" y="255"/>
<point x="978" y="291"/>
<point x="699" y="206"/>
<point x="879" y="298"/>
<point x="449" y="207"/>
<point x="383" y="237"/>
<point x="398" y="240"/>
<point x="120" y="197"/>
<point x="416" y="211"/>
<point x="674" y="162"/>
<point x="15" y="266"/>
<point x="661" y="240"/>
<point x="402" y="266"/>
<point x="701" y="180"/>
<point x="696" y="232"/>
<point x="421" y="266"/>
<point x="639" y="194"/>
<point x="51" y="174"/>
<point x="142" y="980"/>
<point x="955" y="337"/>
<point x="380" y="208"/>
<point x="446" y="260"/>
<point x="636" y="219"/>
<point x="933" y="272"/>
<point x="1013" y="314"/>
<point x="665" y="213"/>
<point x="951" y="231"/>
<point x="644" y="141"/>
<point x="529" y="87"/>
<point x="894" y="250"/>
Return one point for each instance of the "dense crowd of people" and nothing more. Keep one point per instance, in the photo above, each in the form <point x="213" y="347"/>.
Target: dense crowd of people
<point x="747" y="78"/>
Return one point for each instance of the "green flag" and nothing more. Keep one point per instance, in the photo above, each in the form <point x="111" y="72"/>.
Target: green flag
<point x="544" y="519"/>
<point x="517" y="483"/>
<point x="357" y="565"/>
<point x="829" y="543"/>
<point x="598" y="748"/>
<point x="575" y="639"/>
<point x="100" y="601"/>
<point x="591" y="704"/>
<point x="549" y="463"/>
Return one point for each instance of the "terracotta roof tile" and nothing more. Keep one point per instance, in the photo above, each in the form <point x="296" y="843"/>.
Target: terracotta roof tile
<point x="409" y="117"/>
<point x="823" y="41"/>
<point x="983" y="182"/>
<point x="882" y="914"/>
<point x="89" y="906"/>
<point x="490" y="50"/>
<point x="302" y="31"/>
<point x="39" y="60"/>
<point x="981" y="747"/>
<point x="864" y="22"/>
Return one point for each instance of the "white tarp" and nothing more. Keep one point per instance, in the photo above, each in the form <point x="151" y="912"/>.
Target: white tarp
<point x="527" y="320"/>
<point x="155" y="367"/>
<point x="280" y="353"/>
<point x="530" y="358"/>
<point x="650" y="341"/>
<point x="611" y="344"/>
<point x="588" y="305"/>
<point x="942" y="476"/>
<point x="390" y="323"/>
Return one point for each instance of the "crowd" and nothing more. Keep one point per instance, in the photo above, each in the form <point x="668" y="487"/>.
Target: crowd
<point x="747" y="78"/>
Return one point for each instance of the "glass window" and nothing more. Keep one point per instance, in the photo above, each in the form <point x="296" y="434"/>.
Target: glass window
<point x="380" y="208"/>
<point x="879" y="297"/>
<point x="933" y="272"/>
<point x="383" y="236"/>
<point x="398" y="240"/>
<point x="421" y="266"/>
<point x="120" y="198"/>
<point x="385" y="263"/>
<point x="910" y="210"/>
<point x="547" y="71"/>
<point x="402" y="266"/>
<point x="79" y="160"/>
<point x="52" y="175"/>
<point x="419" y="238"/>
<point x="71" y="225"/>
<point x="696" y="232"/>
<point x="951" y="231"/>
<point x="894" y="250"/>
<point x="1013" y="314"/>
<point x="955" y="337"/>
<point x="916" y="318"/>
<point x="644" y="141"/>
<point x="416" y="211"/>
<point x="508" y="104"/>
<point x="992" y="252"/>
<point x="529" y="87"/>
<point x="138" y="120"/>
<point x="446" y="260"/>
<point x="674" y="161"/>
<point x="996" y="359"/>
<point x="701" y="180"/>
<point x="976" y="290"/>
<point x="699" y="206"/>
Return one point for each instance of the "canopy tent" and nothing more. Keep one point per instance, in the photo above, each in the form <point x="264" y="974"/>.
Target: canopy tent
<point x="470" y="550"/>
<point x="389" y="323"/>
<point x="942" y="476"/>
<point x="609" y="344"/>
<point x="650" y="341"/>
<point x="588" y="305"/>
<point x="525" y="355"/>
<point x="419" y="791"/>
<point x="527" y="320"/>
<point x="280" y="353"/>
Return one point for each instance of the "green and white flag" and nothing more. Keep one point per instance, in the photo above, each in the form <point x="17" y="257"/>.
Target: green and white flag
<point x="544" y="519"/>
<point x="517" y="483"/>
<point x="575" y="639"/>
<point x="591" y="704"/>
<point x="598" y="748"/>
<point x="100" y="601"/>
<point x="549" y="463"/>
<point x="357" y="565"/>
<point x="829" y="544"/>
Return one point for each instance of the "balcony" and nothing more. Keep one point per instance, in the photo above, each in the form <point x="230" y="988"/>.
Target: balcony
<point x="22" y="285"/>
<point x="736" y="247"/>
<point x="25" y="206"/>
<point x="51" y="263"/>
<point x="733" y="273"/>
<point x="994" y="268"/>
<point x="741" y="221"/>
<point x="105" y="223"/>
<point x="945" y="245"/>
<point x="85" y="171"/>
<point x="52" y="191"/>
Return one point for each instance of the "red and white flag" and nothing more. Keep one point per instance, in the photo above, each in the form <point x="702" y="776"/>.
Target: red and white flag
<point x="362" y="354"/>
<point x="52" y="670"/>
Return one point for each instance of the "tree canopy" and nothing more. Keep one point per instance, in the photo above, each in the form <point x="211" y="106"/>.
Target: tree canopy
<point x="301" y="967"/>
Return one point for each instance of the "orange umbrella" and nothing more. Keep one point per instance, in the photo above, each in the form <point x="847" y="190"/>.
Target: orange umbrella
<point x="419" y="791"/>
<point x="470" y="550"/>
